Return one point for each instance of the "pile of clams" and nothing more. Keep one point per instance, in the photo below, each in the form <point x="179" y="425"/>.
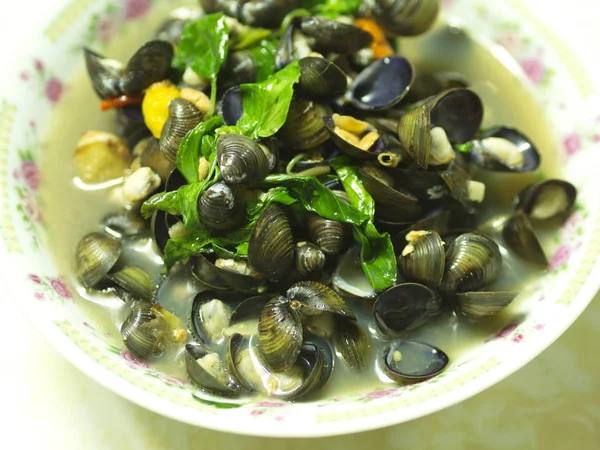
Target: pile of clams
<point x="283" y="319"/>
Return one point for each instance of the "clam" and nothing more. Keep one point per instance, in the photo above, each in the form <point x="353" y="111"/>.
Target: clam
<point x="405" y="307"/>
<point x="316" y="358"/>
<point x="150" y="155"/>
<point x="271" y="245"/>
<point x="207" y="273"/>
<point x="232" y="105"/>
<point x="104" y="73"/>
<point x="239" y="68"/>
<point x="547" y="199"/>
<point x="405" y="17"/>
<point x="320" y="78"/>
<point x="428" y="84"/>
<point x="483" y="303"/>
<point x="332" y="36"/>
<point x="241" y="160"/>
<point x="279" y="334"/>
<point x="383" y="84"/>
<point x="127" y="222"/>
<point x="313" y="298"/>
<point x="426" y="186"/>
<point x="322" y="325"/>
<point x="140" y="185"/>
<point x="304" y="128"/>
<point x="459" y="112"/>
<point x="208" y="371"/>
<point x="160" y="224"/>
<point x="265" y="13"/>
<point x="520" y="238"/>
<point x="244" y="319"/>
<point x="239" y="275"/>
<point x="352" y="344"/>
<point x="472" y="262"/>
<point x="505" y="149"/>
<point x="148" y="65"/>
<point x="292" y="46"/>
<point x="183" y="117"/>
<point x="309" y="258"/>
<point x="462" y="188"/>
<point x="95" y="256"/>
<point x="134" y="280"/>
<point x="220" y="208"/>
<point x="354" y="137"/>
<point x="211" y="313"/>
<point x="409" y="361"/>
<point x="330" y="235"/>
<point x="238" y="361"/>
<point x="349" y="278"/>
<point x="391" y="204"/>
<point x="422" y="259"/>
<point x="145" y="332"/>
<point x="436" y="220"/>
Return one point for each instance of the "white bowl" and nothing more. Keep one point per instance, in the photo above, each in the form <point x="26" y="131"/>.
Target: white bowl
<point x="40" y="62"/>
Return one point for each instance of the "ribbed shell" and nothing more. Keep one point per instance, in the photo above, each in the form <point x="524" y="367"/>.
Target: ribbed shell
<point x="406" y="17"/>
<point x="95" y="256"/>
<point x="405" y="307"/>
<point x="148" y="65"/>
<point x="241" y="160"/>
<point x="183" y="117"/>
<point x="313" y="298"/>
<point x="483" y="304"/>
<point x="414" y="131"/>
<point x="333" y="36"/>
<point x="144" y="333"/>
<point x="320" y="77"/>
<point x="271" y="246"/>
<point x="309" y="258"/>
<point x="425" y="264"/>
<point x="206" y="381"/>
<point x="330" y="235"/>
<point x="279" y="334"/>
<point x="219" y="207"/>
<point x="352" y="344"/>
<point x="472" y="262"/>
<point x="520" y="238"/>
<point x="304" y="127"/>
<point x="135" y="280"/>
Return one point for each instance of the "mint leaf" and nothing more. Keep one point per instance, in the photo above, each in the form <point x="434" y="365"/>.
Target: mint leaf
<point x="198" y="142"/>
<point x="263" y="56"/>
<point x="266" y="104"/>
<point x="165" y="201"/>
<point x="203" y="48"/>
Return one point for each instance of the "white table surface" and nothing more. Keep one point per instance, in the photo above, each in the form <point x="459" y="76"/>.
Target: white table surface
<point x="552" y="403"/>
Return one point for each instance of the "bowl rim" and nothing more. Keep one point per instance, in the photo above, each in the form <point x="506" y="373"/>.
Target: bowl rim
<point x="137" y="395"/>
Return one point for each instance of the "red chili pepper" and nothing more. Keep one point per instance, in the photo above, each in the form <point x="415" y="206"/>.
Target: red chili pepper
<point x="119" y="102"/>
<point x="380" y="45"/>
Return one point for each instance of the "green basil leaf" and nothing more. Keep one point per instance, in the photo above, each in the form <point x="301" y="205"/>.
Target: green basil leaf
<point x="197" y="142"/>
<point x="332" y="8"/>
<point x="256" y="206"/>
<point x="246" y="37"/>
<point x="164" y="201"/>
<point x="204" y="45"/>
<point x="358" y="195"/>
<point x="203" y="48"/>
<point x="377" y="256"/>
<point x="266" y="104"/>
<point x="188" y="196"/>
<point x="263" y="56"/>
<point x="318" y="198"/>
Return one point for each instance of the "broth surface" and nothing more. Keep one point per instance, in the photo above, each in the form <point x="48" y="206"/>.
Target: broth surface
<point x="73" y="210"/>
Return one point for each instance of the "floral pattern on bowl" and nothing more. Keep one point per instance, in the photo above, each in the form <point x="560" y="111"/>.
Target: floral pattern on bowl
<point x="563" y="292"/>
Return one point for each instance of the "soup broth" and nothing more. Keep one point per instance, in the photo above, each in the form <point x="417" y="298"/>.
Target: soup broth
<point x="73" y="209"/>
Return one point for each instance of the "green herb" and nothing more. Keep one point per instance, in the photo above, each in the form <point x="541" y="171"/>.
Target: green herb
<point x="263" y="56"/>
<point x="165" y="201"/>
<point x="201" y="240"/>
<point x="377" y="256"/>
<point x="465" y="148"/>
<point x="319" y="199"/>
<point x="198" y="142"/>
<point x="203" y="48"/>
<point x="266" y="104"/>
<point x="245" y="37"/>
<point x="332" y="8"/>
<point x="220" y="405"/>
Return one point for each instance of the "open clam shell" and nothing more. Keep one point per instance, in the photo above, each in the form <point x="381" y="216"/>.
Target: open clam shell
<point x="208" y="371"/>
<point x="483" y="304"/>
<point x="313" y="298"/>
<point x="410" y="361"/>
<point x="520" y="238"/>
<point x="547" y="199"/>
<point x="505" y="149"/>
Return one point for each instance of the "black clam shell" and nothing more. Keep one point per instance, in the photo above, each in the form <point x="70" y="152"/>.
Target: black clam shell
<point x="409" y="361"/>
